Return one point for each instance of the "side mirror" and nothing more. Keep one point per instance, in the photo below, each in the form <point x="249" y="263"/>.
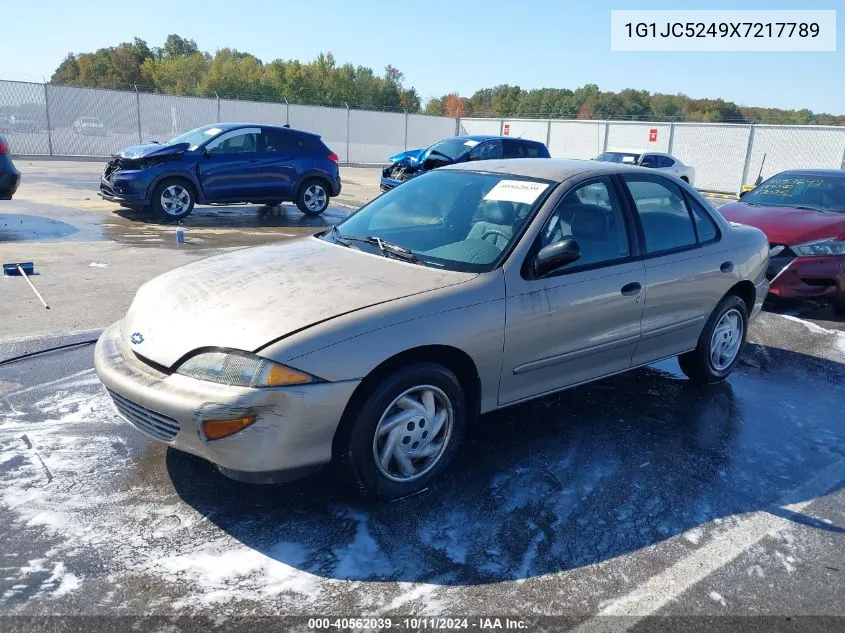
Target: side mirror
<point x="556" y="255"/>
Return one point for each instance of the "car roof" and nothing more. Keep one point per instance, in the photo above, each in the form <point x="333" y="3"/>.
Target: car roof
<point x="490" y="137"/>
<point x="554" y="169"/>
<point x="235" y="126"/>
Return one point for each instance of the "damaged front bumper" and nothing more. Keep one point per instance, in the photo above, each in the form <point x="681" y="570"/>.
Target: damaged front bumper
<point x="820" y="277"/>
<point x="395" y="174"/>
<point x="292" y="434"/>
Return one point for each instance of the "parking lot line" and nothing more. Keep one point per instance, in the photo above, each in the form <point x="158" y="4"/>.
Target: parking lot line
<point x="663" y="588"/>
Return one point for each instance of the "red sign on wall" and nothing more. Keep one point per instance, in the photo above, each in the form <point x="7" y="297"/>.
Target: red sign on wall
<point x="652" y="135"/>
<point x="507" y="129"/>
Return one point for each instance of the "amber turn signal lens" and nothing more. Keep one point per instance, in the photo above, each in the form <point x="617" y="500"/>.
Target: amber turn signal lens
<point x="217" y="429"/>
<point x="281" y="375"/>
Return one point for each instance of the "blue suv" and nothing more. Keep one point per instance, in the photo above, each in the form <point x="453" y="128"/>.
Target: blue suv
<point x="225" y="162"/>
<point x="457" y="149"/>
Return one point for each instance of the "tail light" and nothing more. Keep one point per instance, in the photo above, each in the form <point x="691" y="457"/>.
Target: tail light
<point x="334" y="158"/>
<point x="4" y="148"/>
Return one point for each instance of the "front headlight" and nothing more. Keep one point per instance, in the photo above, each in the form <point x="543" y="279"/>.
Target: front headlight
<point x="827" y="246"/>
<point x="241" y="369"/>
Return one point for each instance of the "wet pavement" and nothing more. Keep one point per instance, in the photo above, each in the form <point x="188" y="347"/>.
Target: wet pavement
<point x="643" y="489"/>
<point x="206" y="227"/>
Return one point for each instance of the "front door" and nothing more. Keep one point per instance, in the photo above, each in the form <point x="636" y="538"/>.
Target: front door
<point x="582" y="321"/>
<point x="228" y="169"/>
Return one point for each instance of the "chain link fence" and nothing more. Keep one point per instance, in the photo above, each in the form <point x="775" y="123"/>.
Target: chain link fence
<point x="46" y="119"/>
<point x="51" y="120"/>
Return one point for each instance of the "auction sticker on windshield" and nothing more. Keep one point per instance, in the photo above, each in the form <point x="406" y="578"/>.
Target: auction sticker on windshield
<point x="522" y="191"/>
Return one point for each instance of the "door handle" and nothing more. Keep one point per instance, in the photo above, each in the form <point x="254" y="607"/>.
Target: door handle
<point x="632" y="288"/>
<point x="727" y="267"/>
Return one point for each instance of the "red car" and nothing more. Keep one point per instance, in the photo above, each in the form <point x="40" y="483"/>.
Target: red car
<point x="803" y="214"/>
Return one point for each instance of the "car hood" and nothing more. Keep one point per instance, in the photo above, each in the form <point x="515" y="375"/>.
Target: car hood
<point x="146" y="150"/>
<point x="412" y="157"/>
<point x="248" y="298"/>
<point x="787" y="225"/>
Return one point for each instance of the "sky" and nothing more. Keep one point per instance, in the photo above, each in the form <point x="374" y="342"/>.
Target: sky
<point x="440" y="46"/>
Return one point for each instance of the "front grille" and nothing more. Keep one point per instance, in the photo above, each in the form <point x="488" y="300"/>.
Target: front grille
<point x="159" y="426"/>
<point x="779" y="261"/>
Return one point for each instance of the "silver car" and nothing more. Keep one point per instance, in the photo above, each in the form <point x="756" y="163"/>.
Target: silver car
<point x="374" y="345"/>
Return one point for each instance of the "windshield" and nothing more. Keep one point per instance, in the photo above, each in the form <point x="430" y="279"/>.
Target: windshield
<point x="453" y="147"/>
<point x="453" y="219"/>
<point x="815" y="191"/>
<point x="618" y="157"/>
<point x="196" y="137"/>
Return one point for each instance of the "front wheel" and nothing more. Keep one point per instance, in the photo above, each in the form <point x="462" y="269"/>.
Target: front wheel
<point x="312" y="197"/>
<point x="173" y="199"/>
<point x="405" y="433"/>
<point x="720" y="344"/>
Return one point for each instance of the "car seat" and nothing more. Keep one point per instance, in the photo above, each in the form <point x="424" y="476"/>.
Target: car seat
<point x="497" y="223"/>
<point x="592" y="227"/>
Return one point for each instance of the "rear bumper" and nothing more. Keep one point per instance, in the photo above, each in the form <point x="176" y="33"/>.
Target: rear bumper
<point x="811" y="278"/>
<point x="294" y="429"/>
<point x="10" y="180"/>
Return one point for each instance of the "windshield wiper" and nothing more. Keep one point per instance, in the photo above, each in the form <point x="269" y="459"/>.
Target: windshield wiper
<point x="337" y="237"/>
<point x="386" y="248"/>
<point x="801" y="206"/>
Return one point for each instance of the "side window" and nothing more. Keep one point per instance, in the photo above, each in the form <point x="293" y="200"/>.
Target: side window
<point x="663" y="214"/>
<point x="235" y="143"/>
<point x="649" y="160"/>
<point x="704" y="224"/>
<point x="513" y="149"/>
<point x="665" y="161"/>
<point x="279" y="141"/>
<point x="592" y="216"/>
<point x="487" y="150"/>
<point x="534" y="150"/>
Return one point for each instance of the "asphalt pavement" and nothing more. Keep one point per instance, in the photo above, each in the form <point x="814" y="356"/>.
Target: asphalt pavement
<point x="640" y="502"/>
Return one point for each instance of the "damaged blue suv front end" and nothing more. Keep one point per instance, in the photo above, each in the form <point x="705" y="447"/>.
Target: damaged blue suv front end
<point x="414" y="162"/>
<point x="457" y="149"/>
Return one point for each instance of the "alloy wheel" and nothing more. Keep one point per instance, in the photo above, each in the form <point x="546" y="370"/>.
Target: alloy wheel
<point x="175" y="200"/>
<point x="315" y="197"/>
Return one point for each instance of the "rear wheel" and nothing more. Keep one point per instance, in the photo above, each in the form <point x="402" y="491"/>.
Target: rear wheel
<point x="405" y="433"/>
<point x="313" y="196"/>
<point x="720" y="344"/>
<point x="173" y="199"/>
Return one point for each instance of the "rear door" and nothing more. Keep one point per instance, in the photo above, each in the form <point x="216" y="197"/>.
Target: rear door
<point x="688" y="269"/>
<point x="583" y="320"/>
<point x="285" y="157"/>
<point x="228" y="170"/>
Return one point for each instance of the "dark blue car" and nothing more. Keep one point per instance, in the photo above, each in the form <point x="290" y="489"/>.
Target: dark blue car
<point x="225" y="162"/>
<point x="457" y="149"/>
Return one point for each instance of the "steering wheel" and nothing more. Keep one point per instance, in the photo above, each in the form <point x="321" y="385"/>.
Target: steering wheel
<point x="495" y="233"/>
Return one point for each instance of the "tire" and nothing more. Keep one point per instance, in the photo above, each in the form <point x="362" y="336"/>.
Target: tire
<point x="365" y="459"/>
<point x="181" y="191"/>
<point x="700" y="364"/>
<point x="312" y="198"/>
<point x="839" y="306"/>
